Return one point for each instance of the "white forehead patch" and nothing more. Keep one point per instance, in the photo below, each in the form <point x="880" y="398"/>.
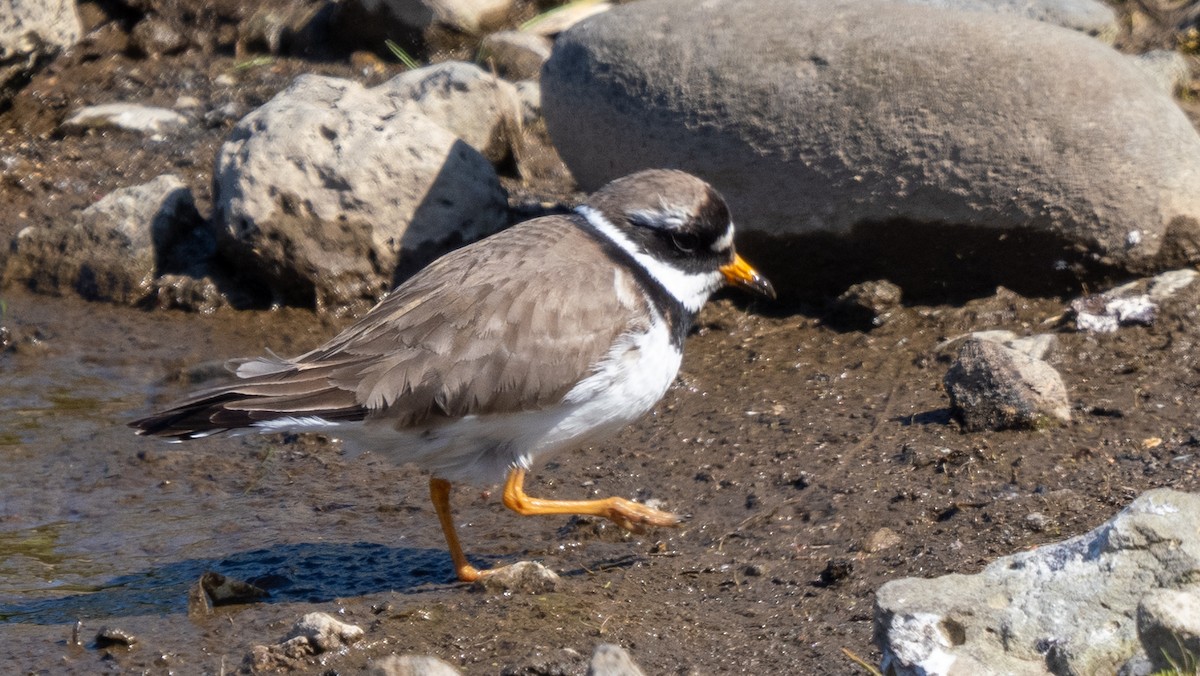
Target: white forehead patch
<point x="725" y="241"/>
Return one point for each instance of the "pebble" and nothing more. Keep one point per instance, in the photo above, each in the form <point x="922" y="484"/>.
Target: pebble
<point x="523" y="577"/>
<point x="130" y="117"/>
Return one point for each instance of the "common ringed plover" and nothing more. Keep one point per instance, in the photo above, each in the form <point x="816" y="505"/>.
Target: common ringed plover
<point x="549" y="335"/>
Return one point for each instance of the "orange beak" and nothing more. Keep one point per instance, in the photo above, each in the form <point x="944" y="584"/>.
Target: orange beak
<point x="740" y="274"/>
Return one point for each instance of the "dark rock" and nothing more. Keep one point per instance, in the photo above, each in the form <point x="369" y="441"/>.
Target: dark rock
<point x="994" y="387"/>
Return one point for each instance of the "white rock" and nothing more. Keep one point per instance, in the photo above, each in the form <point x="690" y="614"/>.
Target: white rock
<point x="476" y="106"/>
<point x="325" y="632"/>
<point x="1134" y="303"/>
<point x="126" y="116"/>
<point x="331" y="190"/>
<point x="1060" y="608"/>
<point x="612" y="660"/>
<point x="411" y="665"/>
<point x="31" y="33"/>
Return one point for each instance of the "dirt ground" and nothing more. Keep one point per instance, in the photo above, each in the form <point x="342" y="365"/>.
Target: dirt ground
<point x="789" y="441"/>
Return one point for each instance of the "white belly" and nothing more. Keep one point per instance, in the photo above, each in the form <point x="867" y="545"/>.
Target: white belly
<point x="481" y="449"/>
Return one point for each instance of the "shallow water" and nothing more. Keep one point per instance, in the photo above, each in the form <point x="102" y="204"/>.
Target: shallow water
<point x="99" y="524"/>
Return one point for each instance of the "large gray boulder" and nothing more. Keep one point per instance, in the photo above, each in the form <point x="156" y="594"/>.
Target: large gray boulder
<point x="873" y="121"/>
<point x="31" y="33"/>
<point x="331" y="191"/>
<point x="1065" y="608"/>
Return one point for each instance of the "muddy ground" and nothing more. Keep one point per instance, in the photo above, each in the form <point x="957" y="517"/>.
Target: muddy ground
<point x="790" y="441"/>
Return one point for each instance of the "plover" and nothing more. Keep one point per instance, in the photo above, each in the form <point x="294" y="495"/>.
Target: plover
<point x="546" y="336"/>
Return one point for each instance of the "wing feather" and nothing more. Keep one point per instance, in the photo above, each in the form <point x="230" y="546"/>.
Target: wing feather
<point x="508" y="324"/>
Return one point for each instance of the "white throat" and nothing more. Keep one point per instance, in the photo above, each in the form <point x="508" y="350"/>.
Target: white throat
<point x="691" y="289"/>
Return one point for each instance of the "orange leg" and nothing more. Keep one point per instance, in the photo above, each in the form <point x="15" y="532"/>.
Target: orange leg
<point x="439" y="491"/>
<point x="627" y="514"/>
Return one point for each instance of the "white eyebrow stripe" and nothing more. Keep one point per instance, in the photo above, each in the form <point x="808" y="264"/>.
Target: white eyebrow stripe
<point x="667" y="218"/>
<point x="725" y="241"/>
<point x="690" y="289"/>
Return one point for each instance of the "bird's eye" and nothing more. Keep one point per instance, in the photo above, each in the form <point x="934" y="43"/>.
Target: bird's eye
<point x="685" y="241"/>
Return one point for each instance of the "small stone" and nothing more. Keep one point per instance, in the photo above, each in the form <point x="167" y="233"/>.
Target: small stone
<point x="222" y="590"/>
<point x="1038" y="522"/>
<point x="517" y="55"/>
<point x="132" y="117"/>
<point x="324" y="632"/>
<point x="411" y="665"/>
<point x="868" y="303"/>
<point x="190" y="294"/>
<point x="612" y="660"/>
<point x="523" y="577"/>
<point x="185" y="102"/>
<point x="884" y="538"/>
<point x="153" y="36"/>
<point x="223" y="114"/>
<point x="835" y="571"/>
<point x="994" y="387"/>
<point x="108" y="637"/>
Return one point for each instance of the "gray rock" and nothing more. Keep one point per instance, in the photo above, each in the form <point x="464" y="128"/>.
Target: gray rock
<point x="31" y="33"/>
<point x="517" y="55"/>
<point x="994" y="387"/>
<point x="808" y="126"/>
<point x="330" y="191"/>
<point x="131" y="117"/>
<point x="478" y="107"/>
<point x="1088" y="16"/>
<point x="522" y="577"/>
<point x="612" y="660"/>
<point x="411" y="665"/>
<point x="116" y="247"/>
<point x="1168" y="624"/>
<point x="1061" y="608"/>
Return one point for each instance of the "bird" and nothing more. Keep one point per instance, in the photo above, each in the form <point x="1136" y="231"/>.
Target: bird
<point x="551" y="334"/>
